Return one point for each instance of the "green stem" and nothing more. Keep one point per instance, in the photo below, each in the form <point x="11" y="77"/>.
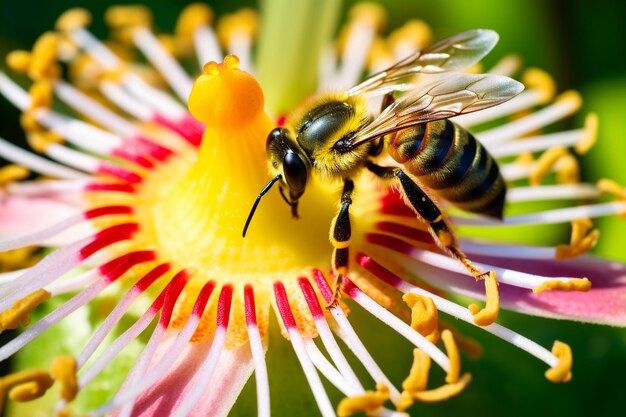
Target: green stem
<point x="293" y="35"/>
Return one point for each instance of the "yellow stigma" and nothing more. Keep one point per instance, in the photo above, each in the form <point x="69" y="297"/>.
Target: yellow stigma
<point x="226" y="96"/>
<point x="562" y="371"/>
<point x="489" y="313"/>
<point x="199" y="200"/>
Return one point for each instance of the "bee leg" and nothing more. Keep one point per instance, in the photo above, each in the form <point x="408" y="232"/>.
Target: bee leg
<point x="340" y="233"/>
<point x="428" y="210"/>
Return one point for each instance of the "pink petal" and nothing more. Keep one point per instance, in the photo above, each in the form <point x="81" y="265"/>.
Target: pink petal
<point x="232" y="373"/>
<point x="20" y="215"/>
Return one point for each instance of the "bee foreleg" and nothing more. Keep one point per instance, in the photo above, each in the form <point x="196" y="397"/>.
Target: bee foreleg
<point x="340" y="234"/>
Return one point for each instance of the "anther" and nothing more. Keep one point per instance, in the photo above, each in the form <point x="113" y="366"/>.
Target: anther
<point x="370" y="13"/>
<point x="11" y="173"/>
<point x="590" y="136"/>
<point x="18" y="313"/>
<point x="43" y="59"/>
<point x="412" y="36"/>
<point x="583" y="239"/>
<point x="73" y="19"/>
<point x="25" y="385"/>
<point x="545" y="163"/>
<point x="561" y="372"/>
<point x="424" y="315"/>
<point x="19" y="61"/>
<point x="577" y="284"/>
<point x="416" y="381"/>
<point x="364" y="403"/>
<point x="63" y="369"/>
<point x="489" y="313"/>
<point x="444" y="392"/>
<point x="534" y="78"/>
<point x="192" y="17"/>
<point x="567" y="170"/>
<point x="244" y="22"/>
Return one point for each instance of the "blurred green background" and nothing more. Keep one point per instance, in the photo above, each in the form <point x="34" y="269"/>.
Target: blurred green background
<point x="582" y="44"/>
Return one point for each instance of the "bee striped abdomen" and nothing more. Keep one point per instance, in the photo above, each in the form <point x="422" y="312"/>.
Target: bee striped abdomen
<point x="449" y="161"/>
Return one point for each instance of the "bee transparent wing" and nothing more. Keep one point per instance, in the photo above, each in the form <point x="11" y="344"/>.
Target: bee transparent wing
<point x="451" y="54"/>
<point x="443" y="97"/>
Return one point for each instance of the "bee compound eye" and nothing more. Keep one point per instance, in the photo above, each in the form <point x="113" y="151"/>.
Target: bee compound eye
<point x="295" y="173"/>
<point x="276" y="137"/>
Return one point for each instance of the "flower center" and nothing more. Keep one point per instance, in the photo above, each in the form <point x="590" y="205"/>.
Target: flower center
<point x="201" y="206"/>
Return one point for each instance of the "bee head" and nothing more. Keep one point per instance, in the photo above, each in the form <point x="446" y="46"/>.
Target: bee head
<point x="290" y="163"/>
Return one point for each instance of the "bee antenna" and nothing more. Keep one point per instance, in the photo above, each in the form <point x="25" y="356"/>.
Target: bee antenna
<point x="258" y="199"/>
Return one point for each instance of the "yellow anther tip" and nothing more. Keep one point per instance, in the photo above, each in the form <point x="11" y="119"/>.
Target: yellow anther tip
<point x="591" y="133"/>
<point x="245" y="21"/>
<point x="73" y="19"/>
<point x="63" y="369"/>
<point x="370" y="13"/>
<point x="562" y="372"/>
<point x="415" y="32"/>
<point x="424" y="315"/>
<point x="11" y="173"/>
<point x="128" y="16"/>
<point x="572" y="97"/>
<point x="489" y="313"/>
<point x="29" y="385"/>
<point x="535" y="78"/>
<point x="193" y="16"/>
<point x="18" y="313"/>
<point x="453" y="355"/>
<point x="366" y="402"/>
<point x="225" y="95"/>
<point x="577" y="284"/>
<point x="19" y="61"/>
<point x="379" y="52"/>
<point x="444" y="392"/>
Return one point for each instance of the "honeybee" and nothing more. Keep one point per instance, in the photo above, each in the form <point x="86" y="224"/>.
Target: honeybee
<point x="335" y="136"/>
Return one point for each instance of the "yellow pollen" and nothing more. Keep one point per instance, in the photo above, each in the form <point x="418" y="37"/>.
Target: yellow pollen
<point x="417" y="380"/>
<point x="567" y="170"/>
<point x="444" y="392"/>
<point x="43" y="59"/>
<point x="453" y="355"/>
<point x="424" y="315"/>
<point x="591" y="134"/>
<point x="364" y="403"/>
<point x="577" y="284"/>
<point x="19" y="61"/>
<point x="583" y="239"/>
<point x="465" y="343"/>
<point x="128" y="16"/>
<point x="11" y="173"/>
<point x="562" y="371"/>
<point x="25" y="385"/>
<point x="73" y="19"/>
<point x="18" y="313"/>
<point x="63" y="369"/>
<point x="370" y="13"/>
<point x="571" y="97"/>
<point x="18" y="258"/>
<point x="489" y="313"/>
<point x="415" y="32"/>
<point x="535" y="78"/>
<point x="379" y="53"/>
<point x="545" y="163"/>
<point x="192" y="17"/>
<point x="244" y="22"/>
